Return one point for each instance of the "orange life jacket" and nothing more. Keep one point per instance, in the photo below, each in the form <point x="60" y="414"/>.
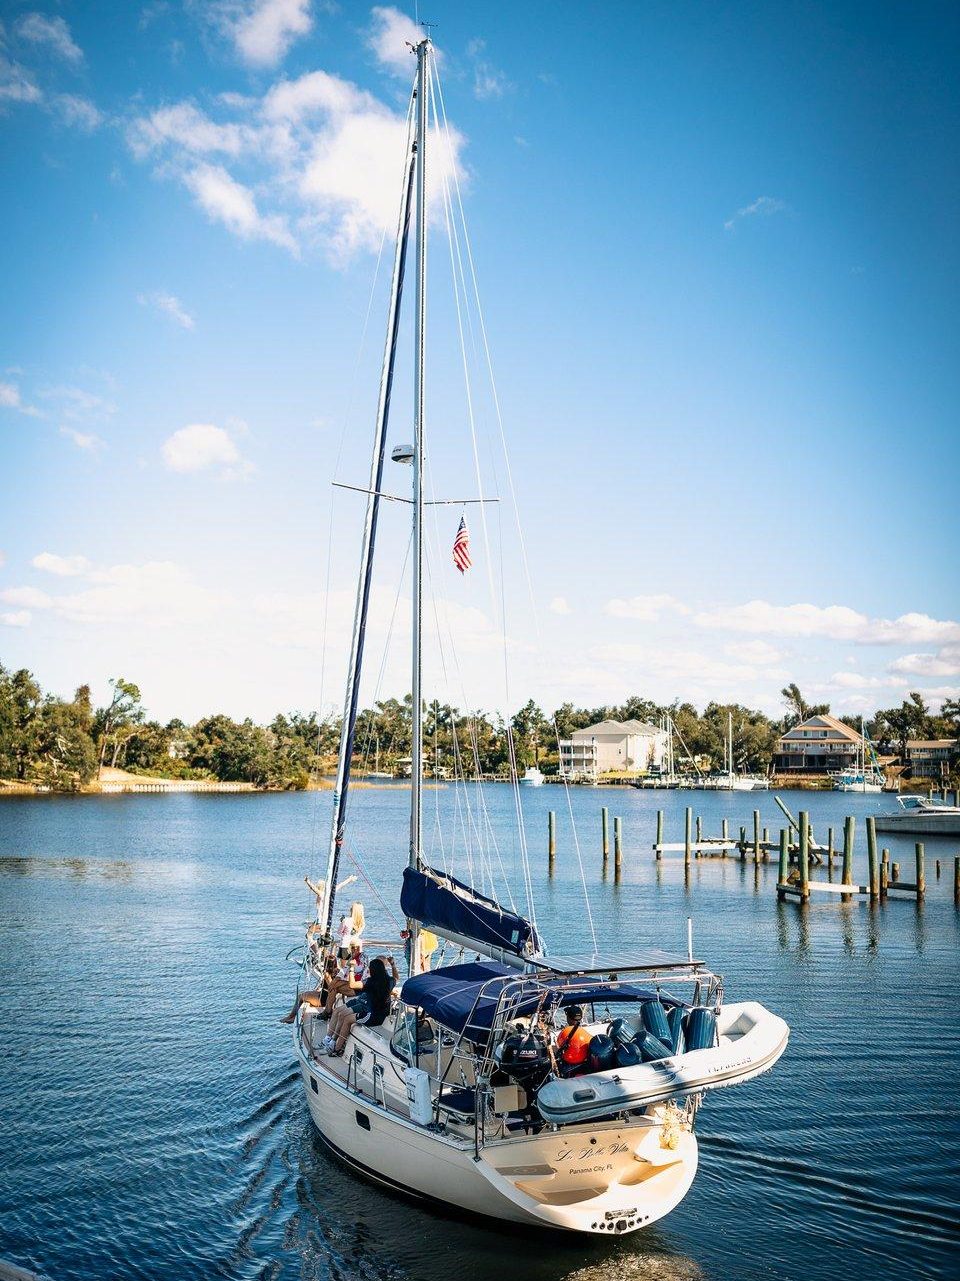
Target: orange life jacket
<point x="574" y="1043"/>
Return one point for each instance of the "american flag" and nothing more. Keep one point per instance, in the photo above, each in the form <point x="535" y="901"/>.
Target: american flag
<point x="461" y="547"/>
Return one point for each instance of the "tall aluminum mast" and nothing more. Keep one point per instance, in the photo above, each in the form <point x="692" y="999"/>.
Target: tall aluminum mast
<point x="419" y="413"/>
<point x="348" y="729"/>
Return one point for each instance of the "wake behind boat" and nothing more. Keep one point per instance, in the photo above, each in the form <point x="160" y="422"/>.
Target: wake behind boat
<point x="551" y="1090"/>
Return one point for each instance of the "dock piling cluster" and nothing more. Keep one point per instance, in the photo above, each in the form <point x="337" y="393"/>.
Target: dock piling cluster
<point x="795" y="848"/>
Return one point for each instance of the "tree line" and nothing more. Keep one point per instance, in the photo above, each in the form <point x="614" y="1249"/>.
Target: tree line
<point x="62" y="744"/>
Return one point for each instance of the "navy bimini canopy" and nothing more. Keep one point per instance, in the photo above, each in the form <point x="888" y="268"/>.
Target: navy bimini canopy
<point x="443" y="903"/>
<point x="465" y="997"/>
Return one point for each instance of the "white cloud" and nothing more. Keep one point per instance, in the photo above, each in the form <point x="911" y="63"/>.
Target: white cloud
<point x="265" y="32"/>
<point x="53" y="33"/>
<point x="169" y="304"/>
<point x="946" y="662"/>
<point x="16" y="618"/>
<point x="689" y="672"/>
<point x="757" y="652"/>
<point x="82" y="439"/>
<point x="834" y="622"/>
<point x="185" y="126"/>
<point x="225" y="200"/>
<point x="644" y="609"/>
<point x="322" y="158"/>
<point x="560" y="605"/>
<point x="317" y="91"/>
<point x="488" y="81"/>
<point x="28" y="597"/>
<point x="202" y="446"/>
<point x="78" y="112"/>
<point x="10" y="398"/>
<point x="762" y="207"/>
<point x="16" y="83"/>
<point x="389" y="36"/>
<point x="856" y="680"/>
<point x="76" y="403"/>
<point x="63" y="566"/>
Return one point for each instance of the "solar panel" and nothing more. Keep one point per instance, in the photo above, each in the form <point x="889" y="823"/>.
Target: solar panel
<point x="614" y="963"/>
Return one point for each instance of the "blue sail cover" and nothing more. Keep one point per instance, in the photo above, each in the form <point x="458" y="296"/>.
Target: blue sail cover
<point x="443" y="903"/>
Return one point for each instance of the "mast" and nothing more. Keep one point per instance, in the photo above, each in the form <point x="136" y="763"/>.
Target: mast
<point x="419" y="413"/>
<point x="348" y="729"/>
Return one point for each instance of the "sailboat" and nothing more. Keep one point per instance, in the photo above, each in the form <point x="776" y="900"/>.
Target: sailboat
<point x="862" y="777"/>
<point x="458" y="1096"/>
<point x="729" y="780"/>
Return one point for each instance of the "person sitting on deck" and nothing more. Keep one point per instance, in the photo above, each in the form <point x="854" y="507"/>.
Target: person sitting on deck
<point x="346" y="982"/>
<point x="316" y="997"/>
<point x="573" y="1042"/>
<point x="369" y="1008"/>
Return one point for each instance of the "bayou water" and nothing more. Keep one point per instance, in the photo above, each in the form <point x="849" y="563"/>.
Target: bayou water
<point x="152" y="1123"/>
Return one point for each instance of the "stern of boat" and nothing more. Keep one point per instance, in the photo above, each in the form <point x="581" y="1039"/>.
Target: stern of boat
<point x="608" y="1182"/>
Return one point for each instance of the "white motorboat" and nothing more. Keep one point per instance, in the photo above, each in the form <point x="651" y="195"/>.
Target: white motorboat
<point x="532" y="777"/>
<point x="453" y="1096"/>
<point x="921" y="816"/>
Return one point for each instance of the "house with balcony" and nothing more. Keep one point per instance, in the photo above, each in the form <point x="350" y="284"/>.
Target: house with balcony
<point x="817" y="745"/>
<point x="613" y="747"/>
<point x="930" y="757"/>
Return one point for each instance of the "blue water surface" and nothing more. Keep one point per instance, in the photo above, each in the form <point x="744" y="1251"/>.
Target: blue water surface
<point x="151" y="1120"/>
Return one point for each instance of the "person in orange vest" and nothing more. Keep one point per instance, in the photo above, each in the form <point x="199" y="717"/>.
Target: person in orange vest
<point x="573" y="1042"/>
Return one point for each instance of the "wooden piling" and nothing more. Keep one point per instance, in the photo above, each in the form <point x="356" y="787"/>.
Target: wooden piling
<point x="784" y="869"/>
<point x="756" y="836"/>
<point x="725" y="829"/>
<point x="605" y="832"/>
<point x="849" y="825"/>
<point x="938" y="869"/>
<point x="687" y="836"/>
<point x="659" y="832"/>
<point x="884" y="872"/>
<point x="956" y="880"/>
<point x="551" y="836"/>
<point x="699" y="829"/>
<point x="804" y="855"/>
<point x="829" y="846"/>
<point x="921" y="879"/>
<point x="872" y="863"/>
<point x="894" y="873"/>
<point x="617" y="844"/>
<point x="743" y="843"/>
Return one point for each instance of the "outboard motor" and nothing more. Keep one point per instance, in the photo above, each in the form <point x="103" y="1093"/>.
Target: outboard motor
<point x="525" y="1059"/>
<point x="602" y="1053"/>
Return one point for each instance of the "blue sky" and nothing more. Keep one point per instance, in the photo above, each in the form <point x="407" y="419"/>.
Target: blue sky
<point x="718" y="258"/>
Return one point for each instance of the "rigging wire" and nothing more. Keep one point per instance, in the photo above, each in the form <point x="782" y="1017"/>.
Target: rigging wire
<point x="440" y="109"/>
<point x="459" y="282"/>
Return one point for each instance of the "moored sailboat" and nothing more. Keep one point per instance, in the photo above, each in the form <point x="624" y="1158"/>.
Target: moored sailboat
<point x="465" y="1092"/>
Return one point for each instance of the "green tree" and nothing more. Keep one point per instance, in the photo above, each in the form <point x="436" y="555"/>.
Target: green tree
<point x="117" y="722"/>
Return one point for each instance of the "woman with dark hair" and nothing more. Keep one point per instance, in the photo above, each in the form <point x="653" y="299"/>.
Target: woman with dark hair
<point x="369" y="1008"/>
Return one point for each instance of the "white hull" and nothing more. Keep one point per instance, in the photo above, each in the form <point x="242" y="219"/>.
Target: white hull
<point x="920" y="823"/>
<point x="605" y="1178"/>
<point x="870" y="788"/>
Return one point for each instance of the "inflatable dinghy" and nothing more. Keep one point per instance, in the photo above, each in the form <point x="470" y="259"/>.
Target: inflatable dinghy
<point x="749" y="1041"/>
